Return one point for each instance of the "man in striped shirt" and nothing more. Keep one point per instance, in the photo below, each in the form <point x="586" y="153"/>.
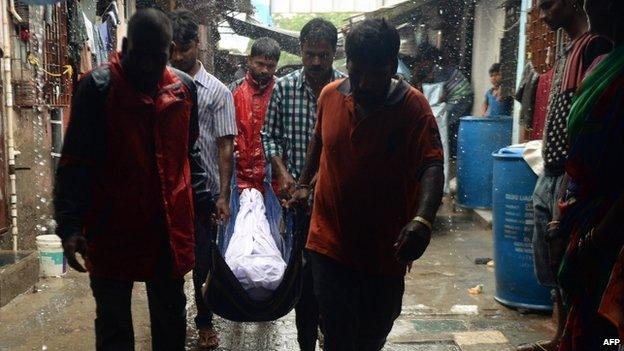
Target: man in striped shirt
<point x="288" y="128"/>
<point x="217" y="126"/>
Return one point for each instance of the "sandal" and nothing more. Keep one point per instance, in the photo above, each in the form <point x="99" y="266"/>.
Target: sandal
<point x="208" y="339"/>
<point x="543" y="345"/>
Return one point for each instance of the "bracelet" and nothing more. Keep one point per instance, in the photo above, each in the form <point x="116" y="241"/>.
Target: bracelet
<point x="424" y="222"/>
<point x="553" y="224"/>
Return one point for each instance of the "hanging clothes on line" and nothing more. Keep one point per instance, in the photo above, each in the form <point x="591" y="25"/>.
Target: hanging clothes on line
<point x="94" y="43"/>
<point x="101" y="55"/>
<point x="76" y="33"/>
<point x="86" y="55"/>
<point x="108" y="28"/>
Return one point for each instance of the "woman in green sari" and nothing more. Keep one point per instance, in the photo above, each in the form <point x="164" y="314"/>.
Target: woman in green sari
<point x="591" y="274"/>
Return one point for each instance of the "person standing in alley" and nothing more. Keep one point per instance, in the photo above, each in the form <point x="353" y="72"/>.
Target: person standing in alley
<point x="569" y="70"/>
<point x="217" y="128"/>
<point x="251" y="100"/>
<point x="287" y="130"/>
<point x="129" y="185"/>
<point x="378" y="153"/>
<point x="592" y="271"/>
<point x="496" y="104"/>
<point x="432" y="66"/>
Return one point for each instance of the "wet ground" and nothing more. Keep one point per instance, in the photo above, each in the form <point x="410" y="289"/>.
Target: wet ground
<point x="7" y="258"/>
<point x="59" y="313"/>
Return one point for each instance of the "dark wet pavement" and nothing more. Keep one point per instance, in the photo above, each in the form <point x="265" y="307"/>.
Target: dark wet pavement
<point x="59" y="315"/>
<point x="7" y="258"/>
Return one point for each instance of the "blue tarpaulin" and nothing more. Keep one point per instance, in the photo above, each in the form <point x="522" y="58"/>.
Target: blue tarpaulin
<point x="404" y="71"/>
<point x="262" y="12"/>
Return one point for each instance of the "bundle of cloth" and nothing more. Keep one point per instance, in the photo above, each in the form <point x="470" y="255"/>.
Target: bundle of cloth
<point x="252" y="253"/>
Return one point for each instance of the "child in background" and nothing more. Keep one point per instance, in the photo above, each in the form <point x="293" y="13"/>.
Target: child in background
<point x="495" y="104"/>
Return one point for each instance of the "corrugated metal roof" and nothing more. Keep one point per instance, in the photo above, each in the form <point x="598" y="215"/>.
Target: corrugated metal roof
<point x="396" y="14"/>
<point x="218" y="6"/>
<point x="288" y="40"/>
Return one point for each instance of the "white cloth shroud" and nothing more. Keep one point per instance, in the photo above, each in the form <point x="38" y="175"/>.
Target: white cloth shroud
<point x="252" y="254"/>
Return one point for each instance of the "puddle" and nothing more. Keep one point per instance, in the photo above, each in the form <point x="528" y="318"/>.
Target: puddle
<point x="7" y="258"/>
<point x="446" y="345"/>
<point x="439" y="325"/>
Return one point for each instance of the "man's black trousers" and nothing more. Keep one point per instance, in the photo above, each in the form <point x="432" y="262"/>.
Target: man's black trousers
<point x="358" y="310"/>
<point x="113" y="323"/>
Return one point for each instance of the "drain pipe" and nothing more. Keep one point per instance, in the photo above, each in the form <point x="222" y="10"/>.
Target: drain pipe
<point x="17" y="17"/>
<point x="56" y="121"/>
<point x="10" y="113"/>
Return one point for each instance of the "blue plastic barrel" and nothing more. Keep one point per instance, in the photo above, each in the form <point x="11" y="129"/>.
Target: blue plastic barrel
<point x="478" y="138"/>
<point x="513" y="184"/>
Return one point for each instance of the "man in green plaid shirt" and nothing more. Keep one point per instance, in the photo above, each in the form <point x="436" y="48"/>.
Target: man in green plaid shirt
<point x="291" y="115"/>
<point x="287" y="130"/>
<point x="290" y="122"/>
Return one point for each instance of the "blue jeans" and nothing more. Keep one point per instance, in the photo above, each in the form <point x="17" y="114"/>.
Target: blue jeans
<point x="544" y="206"/>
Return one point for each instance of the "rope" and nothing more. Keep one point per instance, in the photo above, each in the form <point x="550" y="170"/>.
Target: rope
<point x="67" y="69"/>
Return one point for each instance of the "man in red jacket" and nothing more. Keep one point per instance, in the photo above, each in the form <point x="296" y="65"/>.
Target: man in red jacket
<point x="124" y="194"/>
<point x="251" y="100"/>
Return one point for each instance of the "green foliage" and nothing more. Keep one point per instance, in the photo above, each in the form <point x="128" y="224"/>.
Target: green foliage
<point x="297" y="21"/>
<point x="287" y="58"/>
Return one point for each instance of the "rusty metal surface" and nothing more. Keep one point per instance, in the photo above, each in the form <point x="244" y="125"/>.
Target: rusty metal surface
<point x="56" y="90"/>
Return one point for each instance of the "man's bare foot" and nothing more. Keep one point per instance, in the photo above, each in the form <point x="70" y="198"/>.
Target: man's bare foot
<point x="208" y="338"/>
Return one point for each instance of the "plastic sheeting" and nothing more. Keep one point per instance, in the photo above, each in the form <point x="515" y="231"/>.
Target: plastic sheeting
<point x="434" y="94"/>
<point x="532" y="154"/>
<point x="252" y="254"/>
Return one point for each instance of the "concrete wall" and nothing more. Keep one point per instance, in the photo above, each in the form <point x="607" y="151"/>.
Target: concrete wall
<point x="34" y="182"/>
<point x="33" y="138"/>
<point x="34" y="169"/>
<point x="488" y="31"/>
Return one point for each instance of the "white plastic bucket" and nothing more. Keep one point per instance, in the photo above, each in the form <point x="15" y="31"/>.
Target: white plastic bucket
<point x="52" y="263"/>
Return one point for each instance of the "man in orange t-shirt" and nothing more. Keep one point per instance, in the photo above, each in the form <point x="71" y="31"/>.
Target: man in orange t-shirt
<point x="379" y="159"/>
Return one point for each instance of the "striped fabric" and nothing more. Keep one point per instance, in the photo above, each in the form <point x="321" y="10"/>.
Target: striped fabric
<point x="216" y="119"/>
<point x="290" y="120"/>
<point x="458" y="87"/>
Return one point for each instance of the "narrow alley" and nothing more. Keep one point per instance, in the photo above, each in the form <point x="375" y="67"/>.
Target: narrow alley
<point x="59" y="315"/>
<point x="170" y="167"/>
